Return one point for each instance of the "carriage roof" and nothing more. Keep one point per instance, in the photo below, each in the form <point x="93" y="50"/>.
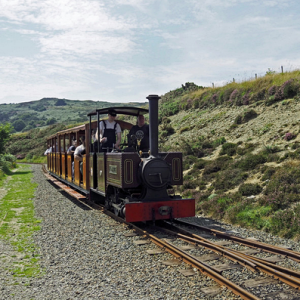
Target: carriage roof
<point x="124" y="110"/>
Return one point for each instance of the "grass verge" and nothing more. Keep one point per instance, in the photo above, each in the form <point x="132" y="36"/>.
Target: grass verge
<point x="18" y="223"/>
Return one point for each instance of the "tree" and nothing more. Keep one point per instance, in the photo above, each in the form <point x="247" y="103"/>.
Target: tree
<point x="51" y="121"/>
<point x="5" y="130"/>
<point x="18" y="125"/>
<point x="60" y="102"/>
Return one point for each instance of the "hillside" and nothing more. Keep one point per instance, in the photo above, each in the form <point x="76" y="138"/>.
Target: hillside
<point x="47" y="111"/>
<point x="241" y="152"/>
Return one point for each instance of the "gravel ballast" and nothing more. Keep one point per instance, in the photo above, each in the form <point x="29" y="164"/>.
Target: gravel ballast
<point x="85" y="255"/>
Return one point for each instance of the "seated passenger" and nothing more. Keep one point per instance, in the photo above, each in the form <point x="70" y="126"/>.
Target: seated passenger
<point x="138" y="136"/>
<point x="71" y="149"/>
<point x="49" y="150"/>
<point x="79" y="151"/>
<point x="109" y="129"/>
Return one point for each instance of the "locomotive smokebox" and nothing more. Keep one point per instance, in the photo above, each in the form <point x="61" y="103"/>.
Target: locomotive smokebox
<point x="153" y="124"/>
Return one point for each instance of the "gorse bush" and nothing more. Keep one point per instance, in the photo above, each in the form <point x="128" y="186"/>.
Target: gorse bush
<point x="250" y="161"/>
<point x="229" y="149"/>
<point x="249" y="189"/>
<point x="219" y="142"/>
<point x="286" y="222"/>
<point x="246" y="116"/>
<point x="216" y="206"/>
<point x="283" y="189"/>
<point x="218" y="164"/>
<point x="268" y="173"/>
<point x="228" y="179"/>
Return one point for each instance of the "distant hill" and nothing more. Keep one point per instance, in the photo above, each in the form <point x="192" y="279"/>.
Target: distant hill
<point x="47" y="111"/>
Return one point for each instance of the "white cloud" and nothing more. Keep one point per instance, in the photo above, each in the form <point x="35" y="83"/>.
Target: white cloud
<point x="63" y="14"/>
<point x="85" y="43"/>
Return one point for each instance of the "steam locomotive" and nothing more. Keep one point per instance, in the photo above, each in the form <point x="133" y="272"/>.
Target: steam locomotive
<point x="135" y="185"/>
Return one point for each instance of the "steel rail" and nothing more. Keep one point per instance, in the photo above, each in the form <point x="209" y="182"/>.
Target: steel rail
<point x="285" y="275"/>
<point x="272" y="265"/>
<point x="253" y="244"/>
<point x="215" y="248"/>
<point x="190" y="260"/>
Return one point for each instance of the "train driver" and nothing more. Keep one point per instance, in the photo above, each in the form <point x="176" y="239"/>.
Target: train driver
<point x="110" y="132"/>
<point x="141" y="134"/>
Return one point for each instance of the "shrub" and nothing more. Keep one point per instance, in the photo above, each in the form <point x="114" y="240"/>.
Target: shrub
<point x="216" y="206"/>
<point x="188" y="161"/>
<point x="232" y="214"/>
<point x="214" y="98"/>
<point x="188" y="184"/>
<point x="7" y="162"/>
<point x="286" y="222"/>
<point x="248" y="147"/>
<point x="199" y="164"/>
<point x="272" y="90"/>
<point x="229" y="149"/>
<point x="289" y="89"/>
<point x="296" y="145"/>
<point x="270" y="149"/>
<point x="284" y="188"/>
<point x="225" y="96"/>
<point x="250" y="161"/>
<point x="246" y="213"/>
<point x="169" y="108"/>
<point x="228" y="179"/>
<point x="249" y="189"/>
<point x="258" y="96"/>
<point x="246" y="99"/>
<point x="235" y="97"/>
<point x="211" y="168"/>
<point x="246" y="116"/>
<point x="183" y="129"/>
<point x="219" y="164"/>
<point x="218" y="142"/>
<point x="268" y="173"/>
<point x="206" y="144"/>
<point x="289" y="136"/>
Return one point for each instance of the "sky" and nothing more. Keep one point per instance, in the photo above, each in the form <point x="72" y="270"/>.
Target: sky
<point x="124" y="50"/>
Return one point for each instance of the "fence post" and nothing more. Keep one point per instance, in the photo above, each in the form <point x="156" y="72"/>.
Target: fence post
<point x="213" y="85"/>
<point x="255" y="76"/>
<point x="233" y="80"/>
<point x="281" y="69"/>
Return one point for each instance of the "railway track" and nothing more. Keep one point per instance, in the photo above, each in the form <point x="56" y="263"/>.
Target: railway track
<point x="200" y="251"/>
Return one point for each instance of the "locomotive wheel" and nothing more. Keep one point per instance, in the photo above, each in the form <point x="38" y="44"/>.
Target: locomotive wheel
<point x="107" y="204"/>
<point x="116" y="211"/>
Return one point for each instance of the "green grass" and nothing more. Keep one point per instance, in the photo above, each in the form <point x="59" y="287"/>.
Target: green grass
<point x="18" y="222"/>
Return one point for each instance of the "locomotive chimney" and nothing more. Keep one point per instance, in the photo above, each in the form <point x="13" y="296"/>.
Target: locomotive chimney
<point x="153" y="123"/>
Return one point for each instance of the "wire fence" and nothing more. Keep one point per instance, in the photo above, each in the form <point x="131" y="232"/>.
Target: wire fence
<point x="239" y="78"/>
